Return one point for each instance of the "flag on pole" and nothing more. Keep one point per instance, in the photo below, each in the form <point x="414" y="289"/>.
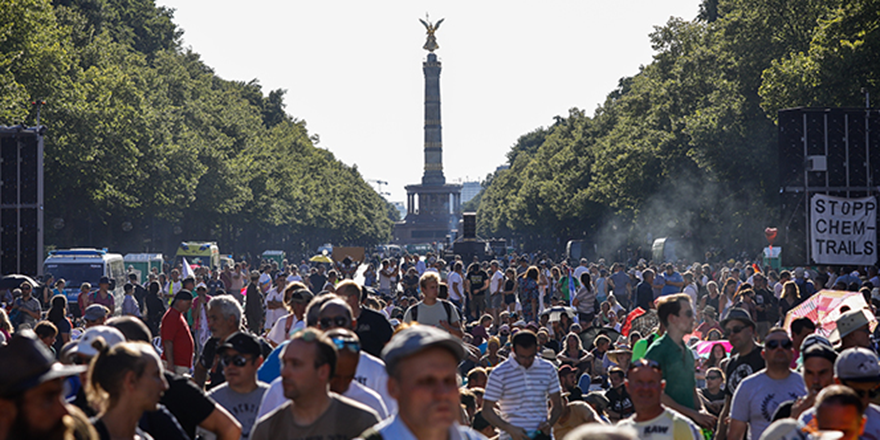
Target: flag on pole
<point x="187" y="270"/>
<point x="571" y="290"/>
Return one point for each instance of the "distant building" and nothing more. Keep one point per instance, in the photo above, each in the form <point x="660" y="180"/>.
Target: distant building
<point x="469" y="190"/>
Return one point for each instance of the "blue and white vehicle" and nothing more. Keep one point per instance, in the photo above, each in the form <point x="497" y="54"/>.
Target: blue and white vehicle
<point x="78" y="266"/>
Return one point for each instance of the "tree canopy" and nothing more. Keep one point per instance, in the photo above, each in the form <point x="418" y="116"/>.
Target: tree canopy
<point x="687" y="146"/>
<point x="147" y="147"/>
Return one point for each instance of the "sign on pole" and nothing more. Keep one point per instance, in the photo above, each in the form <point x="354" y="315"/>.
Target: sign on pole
<point x="843" y="231"/>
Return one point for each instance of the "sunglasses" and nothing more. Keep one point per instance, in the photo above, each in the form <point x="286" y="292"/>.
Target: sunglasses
<point x="776" y="343"/>
<point x="237" y="360"/>
<point x="733" y="330"/>
<point x="343" y="343"/>
<point x="713" y="377"/>
<point x="338" y="321"/>
<point x="863" y="393"/>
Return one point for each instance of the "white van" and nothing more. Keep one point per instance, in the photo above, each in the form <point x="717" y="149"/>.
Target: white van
<point x="78" y="266"/>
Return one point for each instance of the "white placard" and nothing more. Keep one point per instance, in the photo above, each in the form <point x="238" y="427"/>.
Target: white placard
<point x="843" y="231"/>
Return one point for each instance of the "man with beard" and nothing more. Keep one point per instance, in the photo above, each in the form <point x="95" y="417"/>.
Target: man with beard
<point x="740" y="331"/>
<point x="32" y="392"/>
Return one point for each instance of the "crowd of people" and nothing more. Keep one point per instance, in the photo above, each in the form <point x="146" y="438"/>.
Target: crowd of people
<point x="416" y="347"/>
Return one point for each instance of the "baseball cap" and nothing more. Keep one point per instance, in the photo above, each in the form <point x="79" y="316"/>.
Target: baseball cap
<point x="857" y="365"/>
<point x="84" y="345"/>
<point x="104" y="280"/>
<point x="202" y="286"/>
<point x="820" y="350"/>
<point x="566" y="369"/>
<point x="244" y="343"/>
<point x="739" y="314"/>
<point x="95" y="312"/>
<point x="418" y="338"/>
<point x="848" y="323"/>
<point x="26" y="363"/>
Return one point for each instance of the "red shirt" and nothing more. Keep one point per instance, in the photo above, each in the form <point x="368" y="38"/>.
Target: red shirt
<point x="174" y="329"/>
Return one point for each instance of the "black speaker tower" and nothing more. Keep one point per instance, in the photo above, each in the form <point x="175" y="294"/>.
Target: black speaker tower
<point x="831" y="151"/>
<point x="21" y="200"/>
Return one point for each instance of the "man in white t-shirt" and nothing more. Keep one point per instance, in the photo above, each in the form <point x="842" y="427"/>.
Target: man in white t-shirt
<point x="757" y="397"/>
<point x="496" y="284"/>
<point x="294" y="275"/>
<point x="433" y="311"/>
<point x="583" y="267"/>
<point x="455" y="280"/>
<point x="266" y="279"/>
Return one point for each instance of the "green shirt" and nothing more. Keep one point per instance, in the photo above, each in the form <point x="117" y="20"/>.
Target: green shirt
<point x="678" y="369"/>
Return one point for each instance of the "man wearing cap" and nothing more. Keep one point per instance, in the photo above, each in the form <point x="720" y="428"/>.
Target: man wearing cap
<point x="31" y="391"/>
<point x="241" y="394"/>
<point x="858" y="369"/>
<point x="224" y="319"/>
<point x="758" y="396"/>
<point x="309" y="362"/>
<point x="740" y="332"/>
<point x="852" y="330"/>
<point x="521" y="386"/>
<point x="422" y="363"/>
<point x="95" y="314"/>
<point x="103" y="296"/>
<point x="652" y="420"/>
<point x="568" y="382"/>
<point x="177" y="339"/>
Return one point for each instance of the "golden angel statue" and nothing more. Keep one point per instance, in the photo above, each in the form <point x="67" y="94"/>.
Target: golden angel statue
<point x="431" y="45"/>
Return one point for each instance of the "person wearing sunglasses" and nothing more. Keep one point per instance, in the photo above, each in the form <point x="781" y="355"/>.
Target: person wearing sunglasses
<point x="859" y="370"/>
<point x="348" y="350"/>
<point x="758" y="396"/>
<point x="335" y="314"/>
<point x="712" y="395"/>
<point x="739" y="329"/>
<point x="241" y="393"/>
<point x="652" y="420"/>
<point x="676" y="313"/>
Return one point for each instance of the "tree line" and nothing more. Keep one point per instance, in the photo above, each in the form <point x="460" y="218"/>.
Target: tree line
<point x="687" y="147"/>
<point x="146" y="146"/>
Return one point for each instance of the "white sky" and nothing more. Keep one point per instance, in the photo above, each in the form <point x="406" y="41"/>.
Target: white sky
<point x="353" y="69"/>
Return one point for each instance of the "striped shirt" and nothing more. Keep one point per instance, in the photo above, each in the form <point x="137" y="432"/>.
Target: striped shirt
<point x="522" y="394"/>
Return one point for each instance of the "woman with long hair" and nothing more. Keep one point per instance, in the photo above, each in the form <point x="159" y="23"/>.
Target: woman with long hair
<point x="791" y="297"/>
<point x="728" y="292"/>
<point x="573" y="354"/>
<point x="58" y="315"/>
<point x="716" y="355"/>
<point x="585" y="300"/>
<point x="123" y="383"/>
<point x="528" y="294"/>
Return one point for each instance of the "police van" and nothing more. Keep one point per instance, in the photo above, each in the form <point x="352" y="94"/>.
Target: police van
<point x="78" y="266"/>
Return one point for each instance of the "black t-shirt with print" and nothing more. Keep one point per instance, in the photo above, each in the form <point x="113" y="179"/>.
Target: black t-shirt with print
<point x="741" y="367"/>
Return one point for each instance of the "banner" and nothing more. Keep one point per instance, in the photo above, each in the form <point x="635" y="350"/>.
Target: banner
<point x="843" y="231"/>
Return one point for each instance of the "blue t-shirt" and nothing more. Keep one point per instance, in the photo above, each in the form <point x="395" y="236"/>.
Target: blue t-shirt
<point x="271" y="367"/>
<point x="668" y="289"/>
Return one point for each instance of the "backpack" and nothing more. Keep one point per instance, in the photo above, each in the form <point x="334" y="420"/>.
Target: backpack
<point x="414" y="311"/>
